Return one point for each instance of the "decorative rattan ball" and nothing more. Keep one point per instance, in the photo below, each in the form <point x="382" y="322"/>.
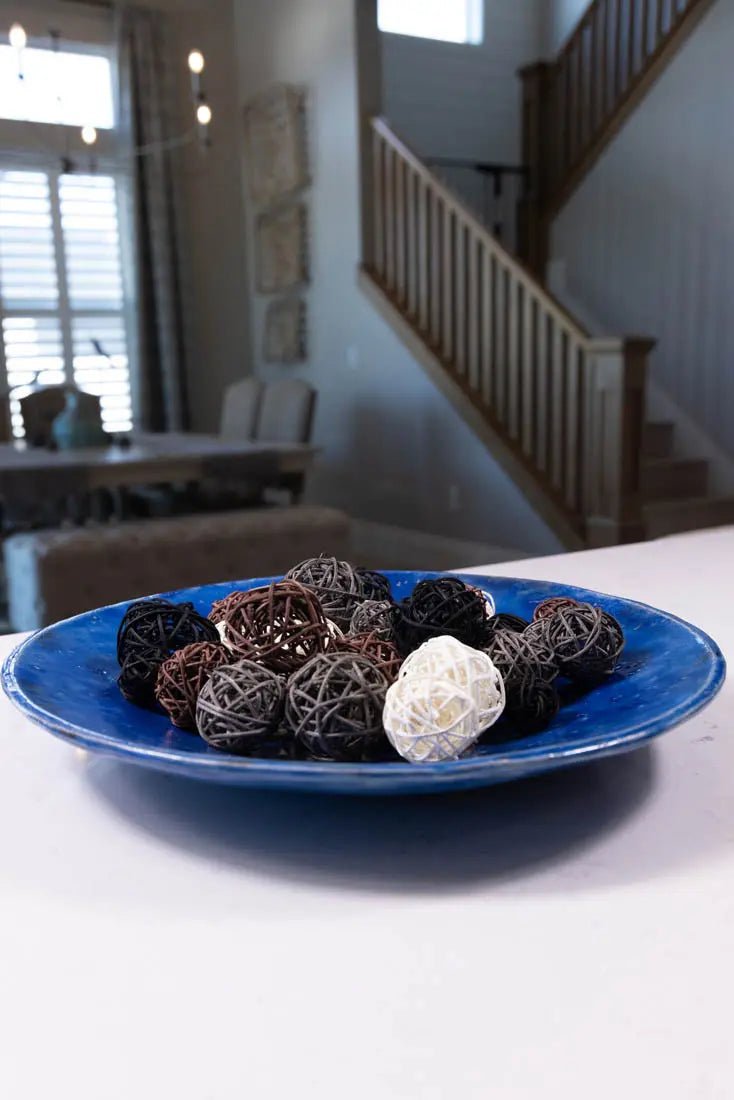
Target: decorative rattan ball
<point x="540" y="703"/>
<point x="222" y="607"/>
<point x="182" y="676"/>
<point x="334" y="706"/>
<point x="337" y="584"/>
<point x="551" y="605"/>
<point x="240" y="707"/>
<point x="139" y="674"/>
<point x="383" y="654"/>
<point x="446" y="658"/>
<point x="430" y="718"/>
<point x="281" y="625"/>
<point x="446" y="605"/>
<point x="503" y="621"/>
<point x="375" y="586"/>
<point x="586" y="640"/>
<point x="523" y="663"/>
<point x="374" y="617"/>
<point x="157" y="624"/>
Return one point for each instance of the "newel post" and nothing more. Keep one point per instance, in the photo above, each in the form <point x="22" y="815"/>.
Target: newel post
<point x="369" y="106"/>
<point x="615" y="396"/>
<point x="536" y="132"/>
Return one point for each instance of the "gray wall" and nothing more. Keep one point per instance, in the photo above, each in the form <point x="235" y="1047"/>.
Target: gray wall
<point x="561" y="18"/>
<point x="464" y="101"/>
<point x="648" y="239"/>
<point x="392" y="447"/>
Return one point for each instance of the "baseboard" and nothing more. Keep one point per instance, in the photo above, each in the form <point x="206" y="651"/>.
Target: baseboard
<point x="383" y="546"/>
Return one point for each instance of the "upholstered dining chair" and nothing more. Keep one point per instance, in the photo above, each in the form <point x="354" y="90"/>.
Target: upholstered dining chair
<point x="286" y="412"/>
<point x="240" y="408"/>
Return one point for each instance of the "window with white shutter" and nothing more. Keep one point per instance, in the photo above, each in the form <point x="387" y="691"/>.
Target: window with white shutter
<point x="64" y="313"/>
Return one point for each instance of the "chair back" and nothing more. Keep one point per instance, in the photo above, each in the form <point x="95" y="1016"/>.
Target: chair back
<point x="40" y="408"/>
<point x="286" y="412"/>
<point x="240" y="407"/>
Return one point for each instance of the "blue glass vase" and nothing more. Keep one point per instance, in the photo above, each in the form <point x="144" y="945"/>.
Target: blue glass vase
<point x="74" y="427"/>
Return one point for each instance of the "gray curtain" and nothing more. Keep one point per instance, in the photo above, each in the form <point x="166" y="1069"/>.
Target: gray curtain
<point x="148" y="117"/>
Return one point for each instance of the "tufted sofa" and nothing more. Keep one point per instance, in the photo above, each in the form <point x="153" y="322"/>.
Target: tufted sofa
<point x="57" y="573"/>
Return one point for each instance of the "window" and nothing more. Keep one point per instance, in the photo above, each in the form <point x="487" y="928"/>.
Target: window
<point x="63" y="309"/>
<point x="73" y="89"/>
<point x="446" y="20"/>
<point x="61" y="289"/>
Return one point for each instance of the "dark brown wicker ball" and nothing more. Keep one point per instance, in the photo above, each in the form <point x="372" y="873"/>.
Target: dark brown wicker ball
<point x="337" y="584"/>
<point x="523" y="663"/>
<point x="281" y="626"/>
<point x="139" y="674"/>
<point x="239" y="709"/>
<point x="551" y="605"/>
<point x="446" y="605"/>
<point x="182" y="676"/>
<point x="222" y="607"/>
<point x="540" y="704"/>
<point x="374" y="617"/>
<point x="334" y="707"/>
<point x="157" y="624"/>
<point x="375" y="585"/>
<point x="382" y="653"/>
<point x="586" y="640"/>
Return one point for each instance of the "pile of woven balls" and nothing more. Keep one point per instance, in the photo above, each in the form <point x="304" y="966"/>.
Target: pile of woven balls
<point x="327" y="665"/>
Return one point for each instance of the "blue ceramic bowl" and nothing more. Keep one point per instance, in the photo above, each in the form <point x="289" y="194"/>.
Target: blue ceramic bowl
<point x="63" y="678"/>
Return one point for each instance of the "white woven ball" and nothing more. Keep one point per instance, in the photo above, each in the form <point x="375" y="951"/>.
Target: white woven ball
<point x="428" y="719"/>
<point x="450" y="659"/>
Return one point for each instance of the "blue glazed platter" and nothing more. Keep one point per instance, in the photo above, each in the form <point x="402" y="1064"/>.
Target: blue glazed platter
<point x="63" y="678"/>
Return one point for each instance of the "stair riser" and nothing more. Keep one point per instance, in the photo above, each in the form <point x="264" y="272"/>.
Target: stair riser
<point x="674" y="481"/>
<point x="686" y="518"/>
<point x="657" y="441"/>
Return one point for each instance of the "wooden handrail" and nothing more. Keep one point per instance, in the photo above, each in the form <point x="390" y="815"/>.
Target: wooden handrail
<point x="570" y="408"/>
<point x="575" y="104"/>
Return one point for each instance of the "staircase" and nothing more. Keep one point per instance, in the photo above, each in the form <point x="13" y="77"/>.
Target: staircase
<point x="563" y="412"/>
<point x="574" y="105"/>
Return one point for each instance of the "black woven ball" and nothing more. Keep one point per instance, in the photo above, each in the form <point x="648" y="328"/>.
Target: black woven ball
<point x="446" y="605"/>
<point x="334" y="707"/>
<point x="240" y="707"/>
<point x="374" y="617"/>
<point x="523" y="663"/>
<point x="540" y="703"/>
<point x="157" y="624"/>
<point x="586" y="640"/>
<point x="139" y="674"/>
<point x="375" y="585"/>
<point x="337" y="584"/>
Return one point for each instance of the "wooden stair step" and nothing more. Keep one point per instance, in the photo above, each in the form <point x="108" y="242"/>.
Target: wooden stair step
<point x="673" y="478"/>
<point x="670" y="517"/>
<point x="657" y="439"/>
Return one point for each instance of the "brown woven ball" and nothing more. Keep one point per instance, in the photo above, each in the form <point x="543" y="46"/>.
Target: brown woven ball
<point x="586" y="640"/>
<point x="334" y="707"/>
<point x="222" y="607"/>
<point x="281" y="626"/>
<point x="182" y="676"/>
<point x="239" y="709"/>
<point x="383" y="654"/>
<point x="523" y="663"/>
<point x="551" y="605"/>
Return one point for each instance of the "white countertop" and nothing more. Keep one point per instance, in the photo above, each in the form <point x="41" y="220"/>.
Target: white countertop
<point x="567" y="937"/>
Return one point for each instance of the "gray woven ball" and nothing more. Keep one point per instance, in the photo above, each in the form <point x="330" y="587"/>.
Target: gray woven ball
<point x="374" y="617"/>
<point x="240" y="707"/>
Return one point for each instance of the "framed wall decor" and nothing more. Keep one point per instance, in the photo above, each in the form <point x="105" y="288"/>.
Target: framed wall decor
<point x="281" y="249"/>
<point x="285" y="331"/>
<point x="275" y="143"/>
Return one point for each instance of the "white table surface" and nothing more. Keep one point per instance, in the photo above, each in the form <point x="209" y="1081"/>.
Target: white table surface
<point x="569" y="937"/>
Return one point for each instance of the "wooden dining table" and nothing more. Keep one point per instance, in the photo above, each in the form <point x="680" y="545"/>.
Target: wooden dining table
<point x="30" y="476"/>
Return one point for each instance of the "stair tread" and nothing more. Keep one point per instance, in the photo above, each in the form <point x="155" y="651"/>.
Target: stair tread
<point x="677" y="503"/>
<point x="673" y="460"/>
